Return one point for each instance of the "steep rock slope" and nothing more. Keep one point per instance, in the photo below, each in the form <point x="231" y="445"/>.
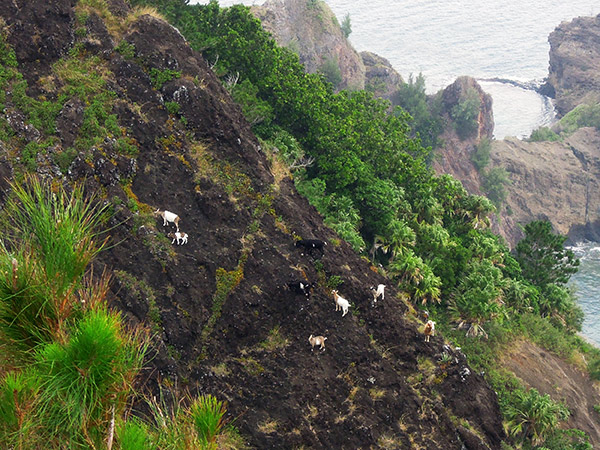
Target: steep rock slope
<point x="222" y="318"/>
<point x="574" y="72"/>
<point x="311" y="29"/>
<point x="556" y="181"/>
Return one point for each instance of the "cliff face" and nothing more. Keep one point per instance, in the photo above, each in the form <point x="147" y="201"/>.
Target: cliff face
<point x="310" y="28"/>
<point x="556" y="181"/>
<point x="574" y="72"/>
<point x="223" y="319"/>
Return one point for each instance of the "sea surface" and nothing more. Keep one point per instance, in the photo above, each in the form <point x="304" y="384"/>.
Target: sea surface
<point x="504" y="45"/>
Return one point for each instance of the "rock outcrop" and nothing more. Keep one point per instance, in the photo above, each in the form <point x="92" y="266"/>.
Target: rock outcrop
<point x="381" y="78"/>
<point x="555" y="181"/>
<point x="574" y="73"/>
<point x="454" y="157"/>
<point x="311" y="29"/>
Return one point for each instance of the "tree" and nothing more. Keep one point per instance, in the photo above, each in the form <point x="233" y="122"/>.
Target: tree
<point x="543" y="257"/>
<point x="465" y="114"/>
<point x="346" y="26"/>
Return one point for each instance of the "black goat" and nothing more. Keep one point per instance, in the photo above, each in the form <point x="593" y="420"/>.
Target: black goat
<point x="301" y="287"/>
<point x="311" y="244"/>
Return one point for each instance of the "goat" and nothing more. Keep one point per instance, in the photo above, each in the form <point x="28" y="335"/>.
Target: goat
<point x="168" y="216"/>
<point x="340" y="302"/>
<point x="311" y="244"/>
<point x="177" y="236"/>
<point x="301" y="287"/>
<point x="378" y="292"/>
<point x="317" y="340"/>
<point x="429" y="330"/>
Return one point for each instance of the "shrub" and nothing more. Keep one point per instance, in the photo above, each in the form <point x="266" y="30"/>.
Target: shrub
<point x="346" y="26"/>
<point x="160" y="77"/>
<point x="331" y="71"/>
<point x="493" y="184"/>
<point x="207" y="417"/>
<point x="465" y="114"/>
<point x="543" y="134"/>
<point x="481" y="156"/>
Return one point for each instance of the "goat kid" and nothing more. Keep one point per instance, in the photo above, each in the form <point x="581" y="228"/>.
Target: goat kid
<point x="377" y="292"/>
<point x="178" y="236"/>
<point x="168" y="217"/>
<point x="300" y="287"/>
<point x="429" y="330"/>
<point x="317" y="340"/>
<point x="340" y="302"/>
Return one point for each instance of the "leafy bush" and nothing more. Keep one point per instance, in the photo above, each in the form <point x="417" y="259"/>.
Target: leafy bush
<point x="481" y="156"/>
<point x="331" y="71"/>
<point x="493" y="183"/>
<point x="160" y="77"/>
<point x="543" y="134"/>
<point x="465" y="114"/>
<point x="426" y="119"/>
<point x="346" y="26"/>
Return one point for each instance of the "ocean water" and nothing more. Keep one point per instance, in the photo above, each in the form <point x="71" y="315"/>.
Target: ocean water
<point x="502" y="44"/>
<point x="587" y="288"/>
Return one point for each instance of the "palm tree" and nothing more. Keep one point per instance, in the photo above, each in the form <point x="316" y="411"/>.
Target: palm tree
<point x="398" y="238"/>
<point x="532" y="415"/>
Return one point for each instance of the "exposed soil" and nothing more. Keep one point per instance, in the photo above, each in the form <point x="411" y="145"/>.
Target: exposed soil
<point x="562" y="381"/>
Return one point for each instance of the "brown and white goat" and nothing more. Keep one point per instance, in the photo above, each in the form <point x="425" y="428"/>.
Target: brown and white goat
<point x="317" y="340"/>
<point x="168" y="216"/>
<point x="429" y="330"/>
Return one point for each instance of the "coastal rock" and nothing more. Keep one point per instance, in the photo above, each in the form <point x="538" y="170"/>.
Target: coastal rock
<point x="311" y="29"/>
<point x="454" y="157"/>
<point x="574" y="72"/>
<point x="555" y="181"/>
<point x="381" y="78"/>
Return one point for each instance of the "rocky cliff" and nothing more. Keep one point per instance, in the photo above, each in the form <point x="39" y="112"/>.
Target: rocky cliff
<point x="454" y="156"/>
<point x="555" y="181"/>
<point x="310" y="28"/>
<point x="574" y="72"/>
<point x="116" y="99"/>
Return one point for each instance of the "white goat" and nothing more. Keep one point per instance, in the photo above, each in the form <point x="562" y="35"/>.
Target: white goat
<point x="340" y="302"/>
<point x="317" y="340"/>
<point x="378" y="292"/>
<point x="168" y="216"/>
<point x="179" y="236"/>
<point x="429" y="330"/>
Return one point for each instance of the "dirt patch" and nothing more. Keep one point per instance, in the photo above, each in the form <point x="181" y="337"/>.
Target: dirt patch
<point x="562" y="381"/>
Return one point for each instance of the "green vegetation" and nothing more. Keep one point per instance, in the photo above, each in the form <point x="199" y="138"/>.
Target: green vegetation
<point x="366" y="170"/>
<point x="346" y="26"/>
<point x="581" y="116"/>
<point x="68" y="362"/>
<point x="331" y="71"/>
<point x="427" y="123"/>
<point x="465" y="114"/>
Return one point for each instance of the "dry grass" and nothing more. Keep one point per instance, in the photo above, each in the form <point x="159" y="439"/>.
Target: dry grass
<point x="220" y="370"/>
<point x="268" y="426"/>
<point x="377" y="394"/>
<point x="389" y="442"/>
<point x="276" y="340"/>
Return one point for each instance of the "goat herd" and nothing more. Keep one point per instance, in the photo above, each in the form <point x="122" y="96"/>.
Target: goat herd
<point x="298" y="287"/>
<point x="304" y="288"/>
